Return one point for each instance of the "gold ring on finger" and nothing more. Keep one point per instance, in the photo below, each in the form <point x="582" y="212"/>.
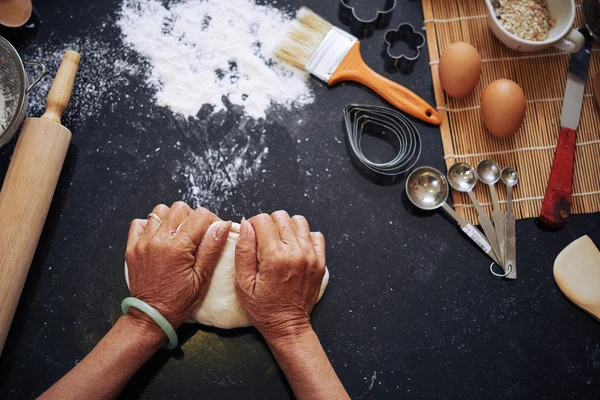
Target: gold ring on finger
<point x="156" y="217"/>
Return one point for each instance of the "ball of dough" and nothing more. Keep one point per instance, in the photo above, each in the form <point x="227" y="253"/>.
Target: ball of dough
<point x="459" y="69"/>
<point x="220" y="307"/>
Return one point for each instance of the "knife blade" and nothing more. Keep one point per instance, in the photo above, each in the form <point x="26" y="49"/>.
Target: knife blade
<point x="556" y="208"/>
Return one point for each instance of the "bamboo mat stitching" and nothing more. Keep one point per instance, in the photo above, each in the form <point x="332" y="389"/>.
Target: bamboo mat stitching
<point x="536" y="56"/>
<point x="585" y="96"/>
<point x="495" y="153"/>
<point x="525" y="199"/>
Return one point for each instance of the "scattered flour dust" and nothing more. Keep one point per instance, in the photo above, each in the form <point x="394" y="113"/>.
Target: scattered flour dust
<point x="102" y="78"/>
<point x="213" y="174"/>
<point x="203" y="51"/>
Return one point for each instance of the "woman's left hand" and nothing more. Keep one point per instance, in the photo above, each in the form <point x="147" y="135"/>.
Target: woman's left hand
<point x="171" y="259"/>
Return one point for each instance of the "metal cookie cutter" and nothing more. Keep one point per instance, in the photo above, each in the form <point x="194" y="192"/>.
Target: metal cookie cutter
<point x="389" y="125"/>
<point x="414" y="40"/>
<point x="361" y="27"/>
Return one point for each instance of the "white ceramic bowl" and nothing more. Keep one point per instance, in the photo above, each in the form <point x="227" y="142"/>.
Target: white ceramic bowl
<point x="562" y="36"/>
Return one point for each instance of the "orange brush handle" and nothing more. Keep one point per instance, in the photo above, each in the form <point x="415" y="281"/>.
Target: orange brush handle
<point x="354" y="68"/>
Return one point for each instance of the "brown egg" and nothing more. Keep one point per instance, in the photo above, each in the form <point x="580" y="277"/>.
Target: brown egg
<point x="503" y="108"/>
<point x="460" y="69"/>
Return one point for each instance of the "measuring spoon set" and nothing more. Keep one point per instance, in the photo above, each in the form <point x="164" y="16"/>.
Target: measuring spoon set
<point x="428" y="189"/>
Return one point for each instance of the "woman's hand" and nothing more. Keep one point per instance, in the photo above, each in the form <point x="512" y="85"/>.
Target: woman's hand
<point x="171" y="259"/>
<point x="279" y="292"/>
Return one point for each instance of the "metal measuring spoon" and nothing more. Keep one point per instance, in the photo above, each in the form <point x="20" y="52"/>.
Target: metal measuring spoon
<point x="489" y="173"/>
<point x="510" y="177"/>
<point x="463" y="178"/>
<point x="427" y="189"/>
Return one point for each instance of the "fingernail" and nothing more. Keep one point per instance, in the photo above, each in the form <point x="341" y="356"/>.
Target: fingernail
<point x="243" y="228"/>
<point x="219" y="229"/>
<point x="224" y="229"/>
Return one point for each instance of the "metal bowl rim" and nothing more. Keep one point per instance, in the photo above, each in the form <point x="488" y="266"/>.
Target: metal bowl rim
<point x="22" y="83"/>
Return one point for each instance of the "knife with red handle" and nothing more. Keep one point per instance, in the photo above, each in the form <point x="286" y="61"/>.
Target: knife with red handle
<point x="556" y="208"/>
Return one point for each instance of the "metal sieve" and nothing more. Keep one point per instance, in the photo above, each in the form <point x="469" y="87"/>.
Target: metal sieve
<point x="13" y="90"/>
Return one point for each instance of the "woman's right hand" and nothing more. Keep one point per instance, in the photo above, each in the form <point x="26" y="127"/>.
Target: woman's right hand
<point x="171" y="258"/>
<point x="280" y="264"/>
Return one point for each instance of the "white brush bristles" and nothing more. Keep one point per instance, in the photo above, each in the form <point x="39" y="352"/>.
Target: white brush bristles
<point x="307" y="33"/>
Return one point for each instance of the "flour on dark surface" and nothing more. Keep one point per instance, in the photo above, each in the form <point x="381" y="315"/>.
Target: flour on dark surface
<point x="112" y="78"/>
<point x="213" y="165"/>
<point x="104" y="72"/>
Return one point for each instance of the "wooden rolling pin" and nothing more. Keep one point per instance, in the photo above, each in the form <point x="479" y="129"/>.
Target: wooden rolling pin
<point x="28" y="189"/>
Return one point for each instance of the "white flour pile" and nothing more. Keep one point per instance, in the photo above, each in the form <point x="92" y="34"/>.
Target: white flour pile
<point x="203" y="51"/>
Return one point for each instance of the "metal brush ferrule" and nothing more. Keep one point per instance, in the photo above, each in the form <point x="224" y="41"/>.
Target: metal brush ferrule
<point x="330" y="53"/>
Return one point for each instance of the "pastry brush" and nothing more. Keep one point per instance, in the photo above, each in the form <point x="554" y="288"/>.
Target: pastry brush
<point x="333" y="56"/>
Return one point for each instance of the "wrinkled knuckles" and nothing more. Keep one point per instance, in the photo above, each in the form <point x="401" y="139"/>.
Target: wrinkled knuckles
<point x="280" y="214"/>
<point x="312" y="261"/>
<point x="161" y="207"/>
<point x="297" y="260"/>
<point x="261" y="218"/>
<point x="140" y="249"/>
<point x="136" y="222"/>
<point x="299" y="218"/>
<point x="204" y="213"/>
<point x="179" y="204"/>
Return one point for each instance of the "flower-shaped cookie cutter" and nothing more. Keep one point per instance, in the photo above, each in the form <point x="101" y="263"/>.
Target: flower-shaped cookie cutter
<point x="361" y="27"/>
<point x="403" y="62"/>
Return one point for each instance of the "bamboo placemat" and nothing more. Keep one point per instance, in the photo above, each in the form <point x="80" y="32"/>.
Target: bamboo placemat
<point x="542" y="77"/>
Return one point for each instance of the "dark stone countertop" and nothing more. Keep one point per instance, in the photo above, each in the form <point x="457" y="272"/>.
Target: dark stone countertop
<point x="411" y="311"/>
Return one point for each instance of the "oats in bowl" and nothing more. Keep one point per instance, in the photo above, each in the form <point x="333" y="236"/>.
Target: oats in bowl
<point x="527" y="19"/>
